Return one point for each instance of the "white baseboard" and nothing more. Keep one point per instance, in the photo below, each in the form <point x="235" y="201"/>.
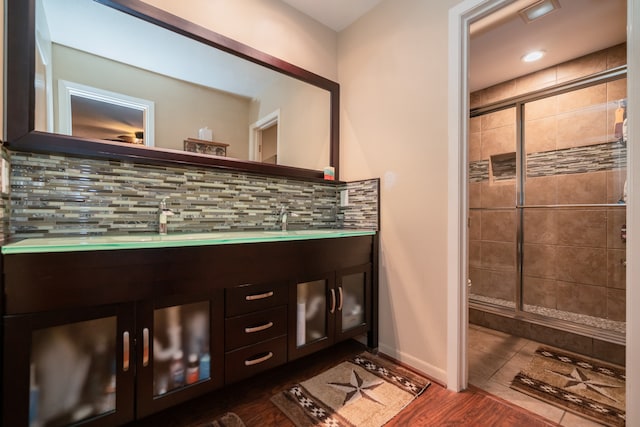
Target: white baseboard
<point x="430" y="371"/>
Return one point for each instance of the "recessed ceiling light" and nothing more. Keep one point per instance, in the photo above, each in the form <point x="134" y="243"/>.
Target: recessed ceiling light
<point x="538" y="10"/>
<point x="533" y="56"/>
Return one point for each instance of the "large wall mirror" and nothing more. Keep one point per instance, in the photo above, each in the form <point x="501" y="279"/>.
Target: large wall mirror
<point x="122" y="79"/>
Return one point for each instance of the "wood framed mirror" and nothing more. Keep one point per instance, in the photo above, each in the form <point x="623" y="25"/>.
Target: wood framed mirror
<point x="31" y="112"/>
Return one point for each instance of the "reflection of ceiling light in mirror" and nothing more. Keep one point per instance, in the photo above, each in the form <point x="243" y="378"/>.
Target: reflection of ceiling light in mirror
<point x="533" y="56"/>
<point x="538" y="10"/>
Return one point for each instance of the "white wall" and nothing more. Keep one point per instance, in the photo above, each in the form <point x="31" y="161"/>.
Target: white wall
<point x="392" y="68"/>
<point x="270" y="26"/>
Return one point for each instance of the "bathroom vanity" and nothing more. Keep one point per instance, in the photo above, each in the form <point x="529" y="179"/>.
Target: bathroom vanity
<point x="106" y="330"/>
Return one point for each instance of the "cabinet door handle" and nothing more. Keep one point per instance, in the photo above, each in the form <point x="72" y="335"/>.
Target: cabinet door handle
<point x="341" y="299"/>
<point x="333" y="301"/>
<point x="125" y="351"/>
<point x="145" y="347"/>
<point x="259" y="296"/>
<point x="253" y="329"/>
<point x="251" y="362"/>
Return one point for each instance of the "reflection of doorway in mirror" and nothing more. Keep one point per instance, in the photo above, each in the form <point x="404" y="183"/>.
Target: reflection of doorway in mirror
<point x="263" y="139"/>
<point x="270" y="145"/>
<point x="90" y="112"/>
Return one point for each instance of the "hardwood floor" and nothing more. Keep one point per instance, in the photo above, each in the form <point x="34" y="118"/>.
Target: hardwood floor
<point x="437" y="406"/>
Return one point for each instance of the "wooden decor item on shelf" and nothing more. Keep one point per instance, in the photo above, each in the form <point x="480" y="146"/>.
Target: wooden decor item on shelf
<point x="205" y="147"/>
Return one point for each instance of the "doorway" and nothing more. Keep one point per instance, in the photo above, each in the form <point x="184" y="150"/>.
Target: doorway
<point x="461" y="16"/>
<point x="264" y="139"/>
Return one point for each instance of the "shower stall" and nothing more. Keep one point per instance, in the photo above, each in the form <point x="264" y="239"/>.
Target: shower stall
<point x="547" y="214"/>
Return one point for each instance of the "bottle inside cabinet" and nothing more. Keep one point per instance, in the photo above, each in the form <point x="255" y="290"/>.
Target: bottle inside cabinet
<point x="180" y="346"/>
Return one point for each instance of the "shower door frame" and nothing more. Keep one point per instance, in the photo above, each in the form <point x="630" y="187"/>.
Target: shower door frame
<point x="518" y="103"/>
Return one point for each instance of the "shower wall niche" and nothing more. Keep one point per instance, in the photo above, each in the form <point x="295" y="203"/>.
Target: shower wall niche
<point x="546" y="195"/>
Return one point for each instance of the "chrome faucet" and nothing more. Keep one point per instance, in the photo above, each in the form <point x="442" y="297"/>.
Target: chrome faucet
<point x="163" y="213"/>
<point x="283" y="217"/>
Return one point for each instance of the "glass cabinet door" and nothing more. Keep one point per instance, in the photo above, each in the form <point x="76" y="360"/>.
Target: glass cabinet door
<point x="77" y="370"/>
<point x="311" y="309"/>
<point x="180" y="351"/>
<point x="180" y="346"/>
<point x="353" y="293"/>
<point x="313" y="306"/>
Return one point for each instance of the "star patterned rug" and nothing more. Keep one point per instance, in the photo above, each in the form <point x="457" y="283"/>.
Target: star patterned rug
<point x="583" y="386"/>
<point x="366" y="391"/>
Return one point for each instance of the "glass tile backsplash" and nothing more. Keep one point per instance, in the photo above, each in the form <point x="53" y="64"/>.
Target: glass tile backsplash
<point x="63" y="195"/>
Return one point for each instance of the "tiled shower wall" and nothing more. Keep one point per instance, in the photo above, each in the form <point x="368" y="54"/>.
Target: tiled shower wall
<point x="53" y="195"/>
<point x="573" y="257"/>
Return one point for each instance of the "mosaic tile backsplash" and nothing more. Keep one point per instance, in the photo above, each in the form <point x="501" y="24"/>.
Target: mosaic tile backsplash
<point x="53" y="195"/>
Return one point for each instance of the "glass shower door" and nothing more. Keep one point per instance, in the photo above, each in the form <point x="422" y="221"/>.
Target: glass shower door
<point x="573" y="210"/>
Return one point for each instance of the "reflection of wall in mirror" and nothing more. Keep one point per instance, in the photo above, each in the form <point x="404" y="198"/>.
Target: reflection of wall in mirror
<point x="304" y="133"/>
<point x="226" y="114"/>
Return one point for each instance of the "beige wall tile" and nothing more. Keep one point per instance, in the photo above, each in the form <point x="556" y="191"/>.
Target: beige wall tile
<point x="617" y="55"/>
<point x="498" y="119"/>
<point x="540" y="135"/>
<point x="615" y="184"/>
<point x="581" y="265"/>
<point x="541" y="190"/>
<point x="539" y="226"/>
<point x="499" y="92"/>
<point x="498" y="256"/>
<point x="499" y="226"/>
<point x="616" y="218"/>
<point x="475" y="146"/>
<point x="475" y="99"/>
<point x="583" y="299"/>
<point x="582" y="98"/>
<point x="539" y="292"/>
<point x="577" y="227"/>
<point x="539" y="261"/>
<point x="582" y="188"/>
<point x="545" y="107"/>
<point x="582" y="127"/>
<point x="535" y="81"/>
<point x="498" y="141"/>
<point x="474" y="254"/>
<point x="498" y="194"/>
<point x="583" y="66"/>
<point x="498" y="284"/>
<point x="475" y="225"/>
<point x="617" y="89"/>
<point x="475" y="124"/>
<point x="616" y="305"/>
<point x="475" y="195"/>
<point x="616" y="270"/>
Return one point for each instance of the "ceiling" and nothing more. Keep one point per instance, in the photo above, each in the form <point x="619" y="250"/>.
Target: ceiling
<point x="499" y="40"/>
<point x="335" y="14"/>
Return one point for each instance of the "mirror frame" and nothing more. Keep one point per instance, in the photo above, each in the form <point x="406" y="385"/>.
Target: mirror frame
<point x="20" y="96"/>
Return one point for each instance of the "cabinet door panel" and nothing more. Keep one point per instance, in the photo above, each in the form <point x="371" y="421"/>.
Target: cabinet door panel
<point x="354" y="301"/>
<point x="312" y="309"/>
<point x="180" y="350"/>
<point x="69" y="368"/>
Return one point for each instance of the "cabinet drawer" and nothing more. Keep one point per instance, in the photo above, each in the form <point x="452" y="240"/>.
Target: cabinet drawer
<point x="249" y="298"/>
<point x="252" y="328"/>
<point x="248" y="361"/>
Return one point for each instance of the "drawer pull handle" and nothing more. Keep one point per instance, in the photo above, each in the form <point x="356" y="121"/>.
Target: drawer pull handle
<point x="341" y="298"/>
<point x="264" y="358"/>
<point x="333" y="301"/>
<point x="125" y="351"/>
<point x="258" y="328"/>
<point x="259" y="296"/>
<point x="145" y="347"/>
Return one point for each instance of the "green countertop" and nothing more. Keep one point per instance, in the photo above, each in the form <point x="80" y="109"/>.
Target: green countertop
<point x="147" y="241"/>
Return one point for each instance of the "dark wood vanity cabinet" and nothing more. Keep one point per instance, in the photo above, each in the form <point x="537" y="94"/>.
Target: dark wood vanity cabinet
<point x="101" y="338"/>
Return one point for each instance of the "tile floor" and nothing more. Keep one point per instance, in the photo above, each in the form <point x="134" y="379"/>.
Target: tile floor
<point x="495" y="358"/>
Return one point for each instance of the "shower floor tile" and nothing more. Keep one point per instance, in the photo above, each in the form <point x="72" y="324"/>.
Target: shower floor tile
<point x="494" y="358"/>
